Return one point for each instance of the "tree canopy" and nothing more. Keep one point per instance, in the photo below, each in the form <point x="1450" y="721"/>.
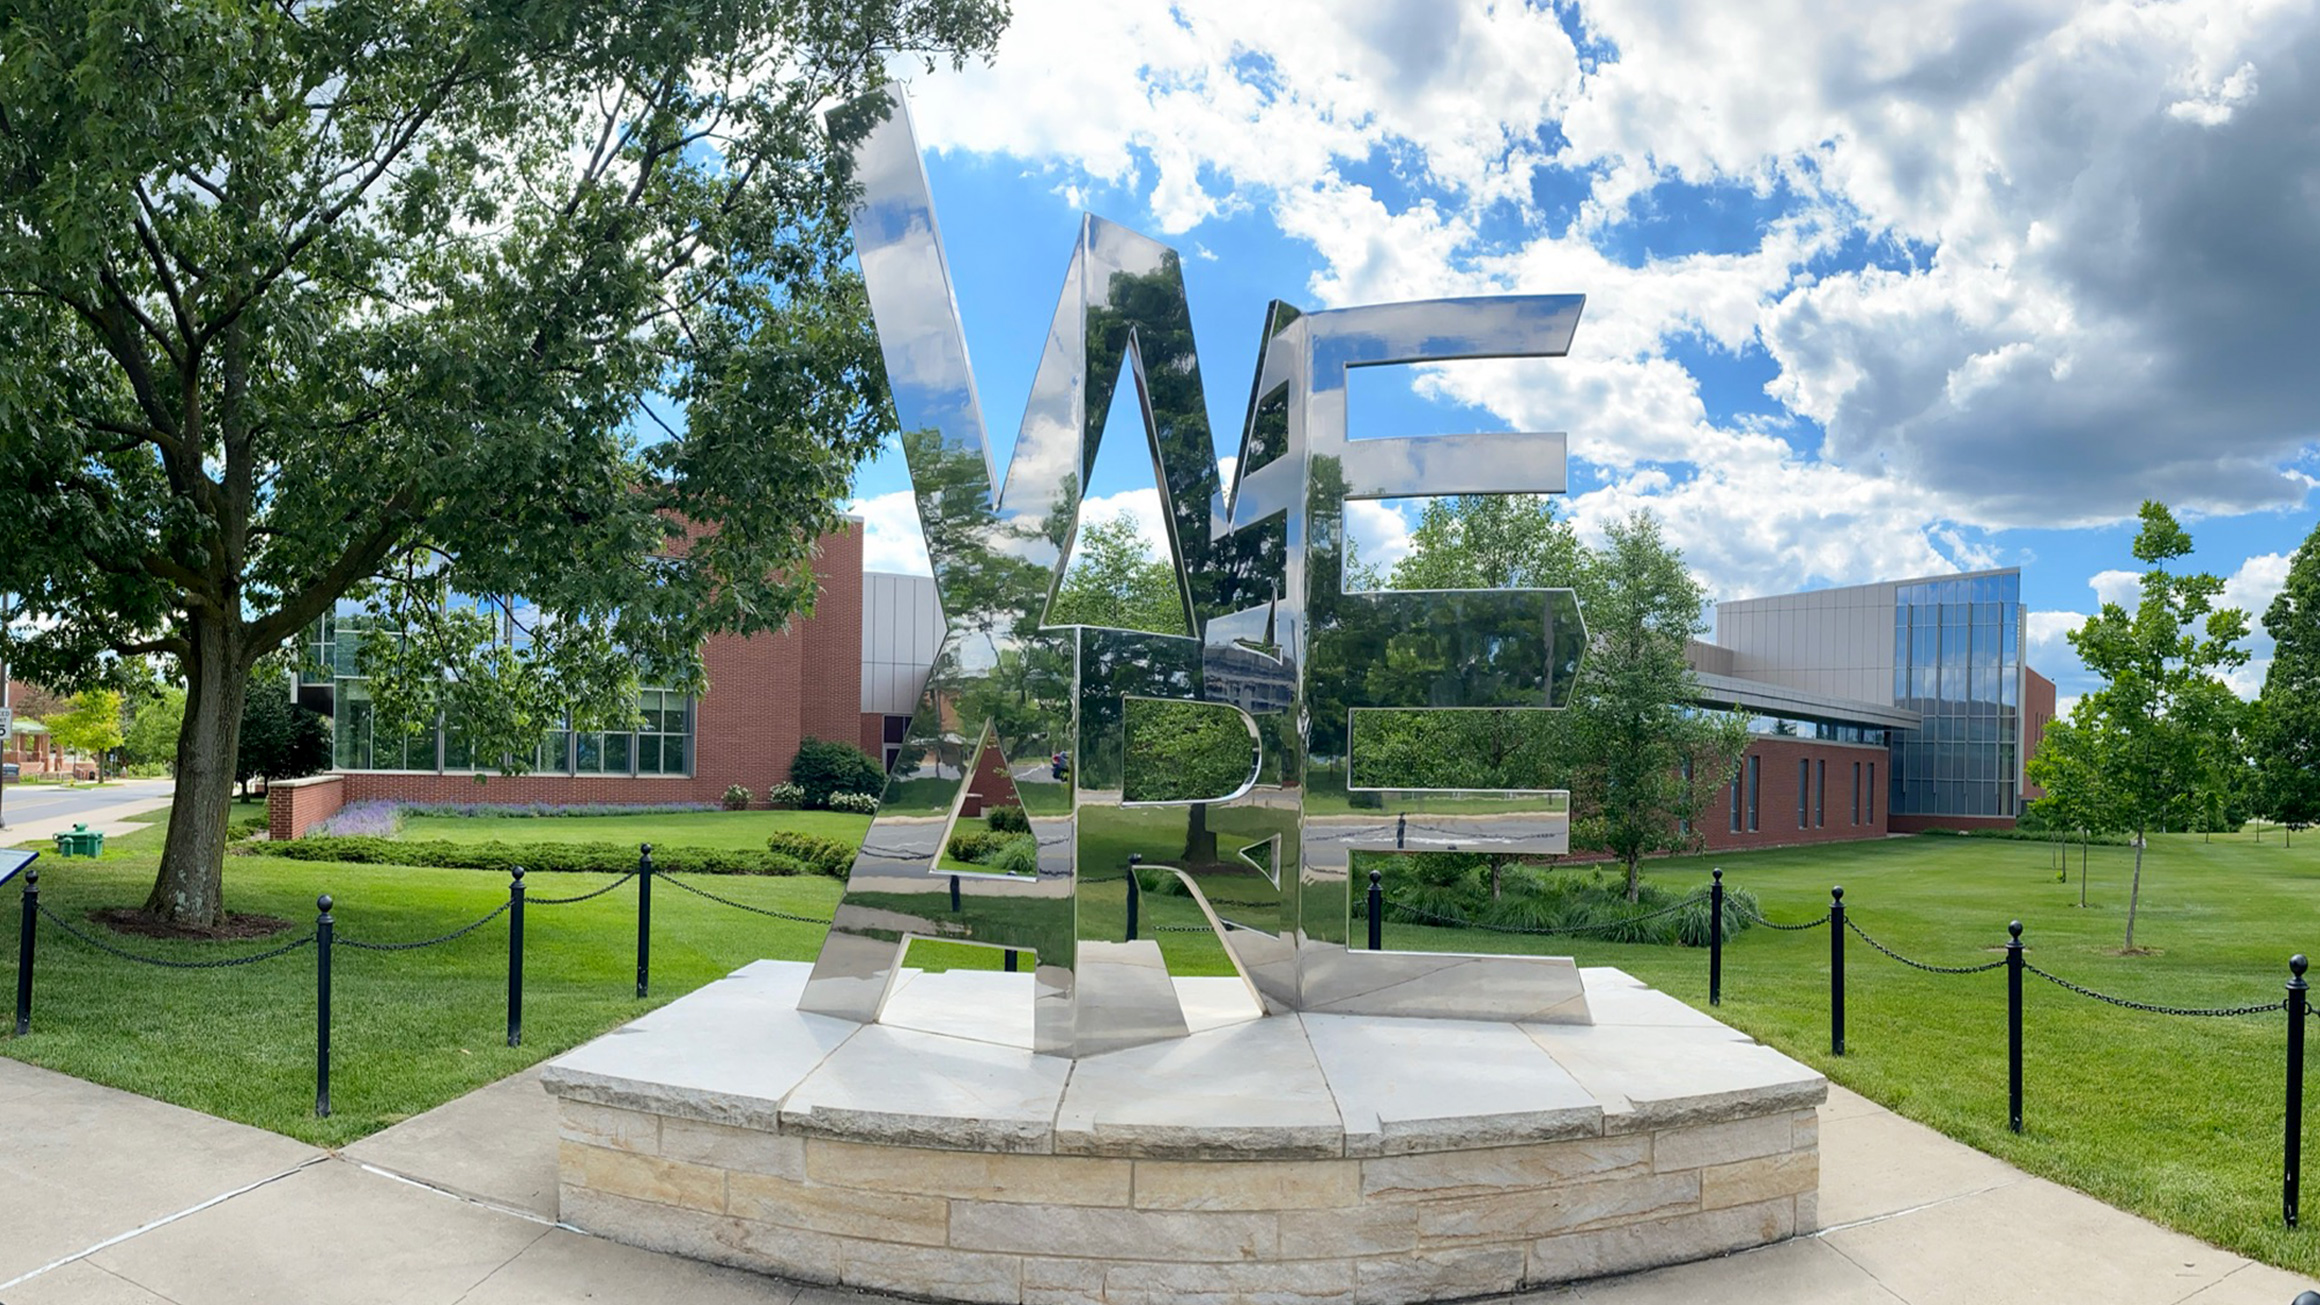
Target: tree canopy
<point x="2139" y="752"/>
<point x="1113" y="579"/>
<point x="1645" y="761"/>
<point x="2286" y="732"/>
<point x="433" y="306"/>
<point x="92" y="727"/>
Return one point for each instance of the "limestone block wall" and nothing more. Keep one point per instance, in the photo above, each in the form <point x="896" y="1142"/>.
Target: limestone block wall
<point x="1073" y="1229"/>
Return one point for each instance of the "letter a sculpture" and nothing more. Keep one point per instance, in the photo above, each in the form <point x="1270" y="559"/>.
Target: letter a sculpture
<point x="1277" y="636"/>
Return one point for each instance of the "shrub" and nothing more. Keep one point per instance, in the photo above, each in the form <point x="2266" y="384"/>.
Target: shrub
<point x="785" y="794"/>
<point x="860" y="804"/>
<point x="975" y="846"/>
<point x="535" y="858"/>
<point x="1019" y="856"/>
<point x="736" y="798"/>
<point x="374" y="818"/>
<point x="1533" y="901"/>
<point x="246" y="825"/>
<point x="823" y="768"/>
<point x="1007" y="820"/>
<point x="823" y="856"/>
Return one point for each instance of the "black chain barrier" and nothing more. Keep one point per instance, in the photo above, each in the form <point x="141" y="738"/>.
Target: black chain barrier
<point x="1753" y="918"/>
<point x="126" y="955"/>
<point x="738" y="906"/>
<point x="568" y="901"/>
<point x="460" y="932"/>
<point x="1997" y="964"/>
<point x="2219" y="1012"/>
<point x="1601" y="927"/>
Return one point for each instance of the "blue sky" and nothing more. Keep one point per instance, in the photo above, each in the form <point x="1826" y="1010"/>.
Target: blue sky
<point x="1866" y="298"/>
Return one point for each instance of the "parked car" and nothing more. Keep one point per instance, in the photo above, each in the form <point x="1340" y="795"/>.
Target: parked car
<point x="8" y="770"/>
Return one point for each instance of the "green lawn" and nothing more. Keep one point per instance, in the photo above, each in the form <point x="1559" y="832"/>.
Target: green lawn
<point x="2175" y="1118"/>
<point x="2178" y="1119"/>
<point x="728" y="829"/>
<point x="411" y="1029"/>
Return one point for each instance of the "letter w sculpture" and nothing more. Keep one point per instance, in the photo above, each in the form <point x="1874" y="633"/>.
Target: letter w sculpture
<point x="1277" y="637"/>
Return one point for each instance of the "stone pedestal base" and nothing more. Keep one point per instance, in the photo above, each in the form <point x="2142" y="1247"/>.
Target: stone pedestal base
<point x="1314" y="1157"/>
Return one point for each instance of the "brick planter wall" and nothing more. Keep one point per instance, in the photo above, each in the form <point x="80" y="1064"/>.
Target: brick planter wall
<point x="294" y="806"/>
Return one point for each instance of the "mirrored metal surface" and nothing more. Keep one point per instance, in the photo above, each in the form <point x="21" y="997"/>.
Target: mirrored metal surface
<point x="1275" y="636"/>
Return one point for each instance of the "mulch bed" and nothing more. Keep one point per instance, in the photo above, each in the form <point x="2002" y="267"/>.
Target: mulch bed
<point x="237" y="926"/>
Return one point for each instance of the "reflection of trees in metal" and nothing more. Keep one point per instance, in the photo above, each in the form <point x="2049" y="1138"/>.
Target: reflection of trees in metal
<point x="1248" y="573"/>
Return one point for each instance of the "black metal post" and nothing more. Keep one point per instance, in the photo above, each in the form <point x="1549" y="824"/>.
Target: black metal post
<point x="1135" y="892"/>
<point x="516" y="958"/>
<point x="2014" y="1025"/>
<point x="1377" y="912"/>
<point x="1716" y="940"/>
<point x="954" y="894"/>
<point x="323" y="925"/>
<point x="24" y="938"/>
<point x="1010" y="960"/>
<point x="2291" y="1169"/>
<point x="643" y="919"/>
<point x="1837" y="971"/>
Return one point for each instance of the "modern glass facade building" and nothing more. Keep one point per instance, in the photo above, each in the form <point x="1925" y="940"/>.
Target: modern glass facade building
<point x="332" y="682"/>
<point x="1957" y="663"/>
<point x="1931" y="668"/>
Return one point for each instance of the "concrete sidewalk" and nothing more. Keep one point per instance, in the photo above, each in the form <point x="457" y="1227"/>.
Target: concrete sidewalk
<point x="111" y="1199"/>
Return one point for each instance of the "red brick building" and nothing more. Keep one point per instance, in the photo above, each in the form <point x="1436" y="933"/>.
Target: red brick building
<point x="1893" y="707"/>
<point x="767" y="693"/>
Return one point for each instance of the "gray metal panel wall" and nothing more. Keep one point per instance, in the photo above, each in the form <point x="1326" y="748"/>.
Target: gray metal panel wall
<point x="1835" y="642"/>
<point x="901" y="628"/>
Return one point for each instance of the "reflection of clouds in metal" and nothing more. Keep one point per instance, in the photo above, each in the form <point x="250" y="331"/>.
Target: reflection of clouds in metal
<point x="1278" y="641"/>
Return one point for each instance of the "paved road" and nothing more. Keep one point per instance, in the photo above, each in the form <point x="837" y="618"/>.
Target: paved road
<point x="26" y="803"/>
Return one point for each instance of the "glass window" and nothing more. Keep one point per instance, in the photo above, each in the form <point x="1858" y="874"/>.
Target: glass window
<point x="1735" y="801"/>
<point x="1803" y="794"/>
<point x="1755" y="788"/>
<point x="457" y="755"/>
<point x="1820" y="794"/>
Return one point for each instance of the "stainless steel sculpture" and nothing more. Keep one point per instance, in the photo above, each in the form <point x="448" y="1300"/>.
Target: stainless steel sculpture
<point x="1261" y="574"/>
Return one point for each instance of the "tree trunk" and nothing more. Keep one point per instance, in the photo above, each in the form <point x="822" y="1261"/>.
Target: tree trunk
<point x="190" y="889"/>
<point x="1200" y="840"/>
<point x="1634" y="881"/>
<point x="2135" y="894"/>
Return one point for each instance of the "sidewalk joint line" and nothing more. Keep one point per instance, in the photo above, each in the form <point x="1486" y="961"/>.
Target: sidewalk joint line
<point x="1929" y="1205"/>
<point x="162" y="1222"/>
<point x="425" y="1186"/>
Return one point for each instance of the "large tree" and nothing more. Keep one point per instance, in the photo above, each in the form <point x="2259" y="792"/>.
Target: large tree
<point x="2286" y="732"/>
<point x="2162" y="699"/>
<point x="1640" y="760"/>
<point x="1114" y="579"/>
<point x="92" y="727"/>
<point x="1646" y="763"/>
<point x="399" y="298"/>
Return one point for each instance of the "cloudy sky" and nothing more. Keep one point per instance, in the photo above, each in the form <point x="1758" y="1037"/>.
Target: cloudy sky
<point x="1866" y="298"/>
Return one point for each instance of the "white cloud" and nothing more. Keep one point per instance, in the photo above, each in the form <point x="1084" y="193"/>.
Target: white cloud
<point x="1999" y="250"/>
<point x="1379" y="532"/>
<point x="2121" y="587"/>
<point x="2255" y="584"/>
<point x="891" y="540"/>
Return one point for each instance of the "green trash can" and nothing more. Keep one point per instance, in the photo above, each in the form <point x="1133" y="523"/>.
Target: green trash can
<point x="80" y="840"/>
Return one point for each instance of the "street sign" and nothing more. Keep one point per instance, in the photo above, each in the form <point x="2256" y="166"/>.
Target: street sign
<point x="12" y="860"/>
<point x="7" y="719"/>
